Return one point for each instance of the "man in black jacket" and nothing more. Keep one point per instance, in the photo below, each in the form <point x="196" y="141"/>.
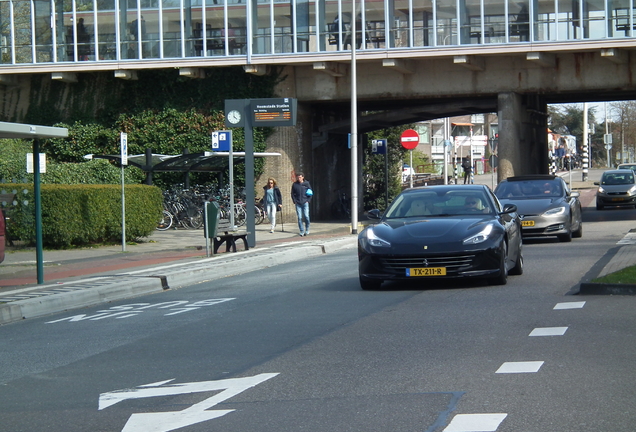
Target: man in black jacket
<point x="301" y="201"/>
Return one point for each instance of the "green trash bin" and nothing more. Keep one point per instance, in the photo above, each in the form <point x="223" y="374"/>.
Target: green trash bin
<point x="211" y="220"/>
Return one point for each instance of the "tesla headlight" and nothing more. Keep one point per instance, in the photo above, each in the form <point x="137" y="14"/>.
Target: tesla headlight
<point x="480" y="237"/>
<point x="374" y="240"/>
<point x="555" y="211"/>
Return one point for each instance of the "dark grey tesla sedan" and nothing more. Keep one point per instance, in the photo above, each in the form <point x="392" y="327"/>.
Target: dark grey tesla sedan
<point x="441" y="232"/>
<point x="546" y="205"/>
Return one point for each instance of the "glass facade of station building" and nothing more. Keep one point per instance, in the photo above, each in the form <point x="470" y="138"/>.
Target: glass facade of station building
<point x="35" y="31"/>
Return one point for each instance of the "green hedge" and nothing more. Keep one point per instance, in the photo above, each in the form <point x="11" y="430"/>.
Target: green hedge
<point x="79" y="215"/>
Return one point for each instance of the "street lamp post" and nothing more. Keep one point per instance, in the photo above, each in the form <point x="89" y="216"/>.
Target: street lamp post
<point x="586" y="159"/>
<point x="354" y="124"/>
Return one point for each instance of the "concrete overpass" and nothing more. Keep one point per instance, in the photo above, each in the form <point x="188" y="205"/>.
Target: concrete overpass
<point x="415" y="62"/>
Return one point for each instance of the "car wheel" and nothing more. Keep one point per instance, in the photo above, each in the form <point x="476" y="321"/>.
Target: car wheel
<point x="370" y="284"/>
<point x="579" y="232"/>
<point x="502" y="278"/>
<point x="566" y="238"/>
<point x="517" y="270"/>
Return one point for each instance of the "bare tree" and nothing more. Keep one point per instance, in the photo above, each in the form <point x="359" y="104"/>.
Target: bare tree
<point x="624" y="130"/>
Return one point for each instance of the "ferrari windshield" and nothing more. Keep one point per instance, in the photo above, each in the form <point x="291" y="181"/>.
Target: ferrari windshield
<point x="430" y="203"/>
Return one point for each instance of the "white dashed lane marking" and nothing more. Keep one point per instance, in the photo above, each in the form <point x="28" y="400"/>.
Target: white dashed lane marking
<point x="475" y="422"/>
<point x="569" y="305"/>
<point x="548" y="331"/>
<point x="491" y="422"/>
<point x="520" y="367"/>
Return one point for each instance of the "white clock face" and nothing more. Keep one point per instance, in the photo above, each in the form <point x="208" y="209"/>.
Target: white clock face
<point x="234" y="116"/>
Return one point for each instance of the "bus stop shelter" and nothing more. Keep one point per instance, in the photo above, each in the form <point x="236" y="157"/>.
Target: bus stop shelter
<point x="35" y="133"/>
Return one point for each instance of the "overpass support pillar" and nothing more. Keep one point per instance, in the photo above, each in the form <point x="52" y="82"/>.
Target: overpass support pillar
<point x="523" y="135"/>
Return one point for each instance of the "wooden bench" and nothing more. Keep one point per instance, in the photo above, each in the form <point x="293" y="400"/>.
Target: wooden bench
<point x="230" y="238"/>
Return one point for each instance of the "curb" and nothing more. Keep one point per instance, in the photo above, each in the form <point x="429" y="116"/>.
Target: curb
<point x="590" y="288"/>
<point x="45" y="300"/>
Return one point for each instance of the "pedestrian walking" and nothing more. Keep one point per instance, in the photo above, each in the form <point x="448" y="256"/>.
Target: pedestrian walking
<point x="272" y="201"/>
<point x="467" y="170"/>
<point x="301" y="194"/>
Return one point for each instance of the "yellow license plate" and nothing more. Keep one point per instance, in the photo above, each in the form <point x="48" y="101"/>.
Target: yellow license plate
<point x="427" y="271"/>
<point x="618" y="199"/>
<point x="527" y="223"/>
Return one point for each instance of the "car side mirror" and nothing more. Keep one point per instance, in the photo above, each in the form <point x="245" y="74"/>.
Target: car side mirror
<point x="574" y="194"/>
<point x="597" y="183"/>
<point x="509" y="208"/>
<point x="374" y="214"/>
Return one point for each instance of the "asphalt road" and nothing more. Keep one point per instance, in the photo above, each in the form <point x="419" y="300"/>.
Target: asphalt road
<point x="299" y="347"/>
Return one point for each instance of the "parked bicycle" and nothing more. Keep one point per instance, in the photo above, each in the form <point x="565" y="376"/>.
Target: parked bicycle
<point x="341" y="208"/>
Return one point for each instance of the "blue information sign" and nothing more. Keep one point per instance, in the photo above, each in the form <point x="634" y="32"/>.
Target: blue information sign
<point x="378" y="146"/>
<point x="221" y="140"/>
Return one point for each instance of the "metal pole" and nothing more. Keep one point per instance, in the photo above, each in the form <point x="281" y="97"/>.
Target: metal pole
<point x="607" y="145"/>
<point x="250" y="223"/>
<point x="411" y="167"/>
<point x="206" y="229"/>
<point x="231" y="175"/>
<point x="472" y="164"/>
<point x="123" y="138"/>
<point x="38" y="211"/>
<point x="586" y="160"/>
<point x="386" y="176"/>
<point x="123" y="212"/>
<point x="354" y="124"/>
<point x="446" y="150"/>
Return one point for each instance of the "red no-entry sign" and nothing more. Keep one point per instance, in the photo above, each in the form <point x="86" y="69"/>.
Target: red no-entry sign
<point x="409" y="139"/>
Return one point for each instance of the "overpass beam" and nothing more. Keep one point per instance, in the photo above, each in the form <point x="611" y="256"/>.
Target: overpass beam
<point x="258" y="70"/>
<point x="469" y="62"/>
<point x="403" y="66"/>
<point x="126" y="74"/>
<point x="333" y="69"/>
<point x="543" y="59"/>
<point x="67" y="77"/>
<point x="192" y="72"/>
<point x="614" y="55"/>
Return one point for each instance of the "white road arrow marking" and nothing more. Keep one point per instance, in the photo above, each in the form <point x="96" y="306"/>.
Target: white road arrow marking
<point x="168" y="421"/>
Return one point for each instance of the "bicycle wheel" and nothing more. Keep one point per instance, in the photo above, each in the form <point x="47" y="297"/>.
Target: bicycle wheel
<point x="166" y="221"/>
<point x="259" y="215"/>
<point x="196" y="221"/>
<point x="239" y="215"/>
<point x="336" y="211"/>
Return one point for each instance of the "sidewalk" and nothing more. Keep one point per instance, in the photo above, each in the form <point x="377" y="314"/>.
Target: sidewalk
<point x="19" y="267"/>
<point x="168" y="259"/>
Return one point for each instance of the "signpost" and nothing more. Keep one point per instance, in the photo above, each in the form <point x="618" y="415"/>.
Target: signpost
<point x="273" y="112"/>
<point x="222" y="141"/>
<point x="250" y="113"/>
<point x="409" y="140"/>
<point x="123" y="139"/>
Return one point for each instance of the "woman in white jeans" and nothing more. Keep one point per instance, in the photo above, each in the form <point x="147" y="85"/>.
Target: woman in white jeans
<point x="272" y="201"/>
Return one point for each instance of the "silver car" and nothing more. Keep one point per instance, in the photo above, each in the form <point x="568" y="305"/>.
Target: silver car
<point x="631" y="166"/>
<point x="616" y="188"/>
<point x="546" y="205"/>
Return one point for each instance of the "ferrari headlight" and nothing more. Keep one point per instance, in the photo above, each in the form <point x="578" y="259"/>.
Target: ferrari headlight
<point x="374" y="240"/>
<point x="555" y="211"/>
<point x="482" y="236"/>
